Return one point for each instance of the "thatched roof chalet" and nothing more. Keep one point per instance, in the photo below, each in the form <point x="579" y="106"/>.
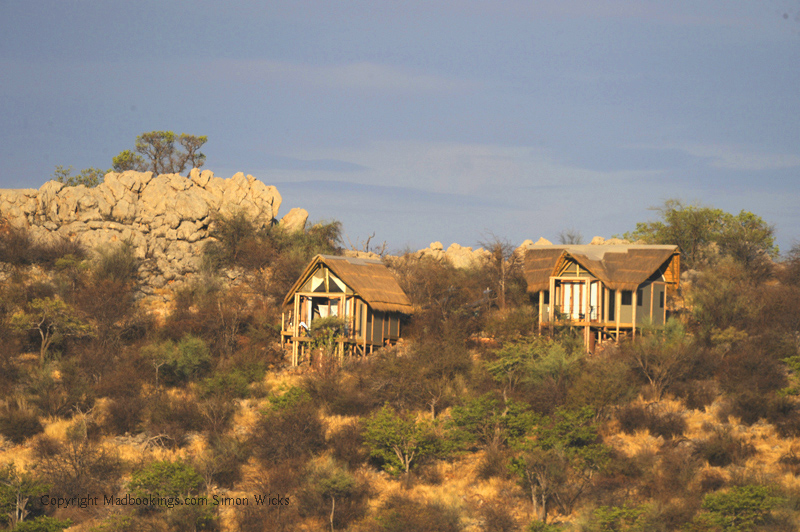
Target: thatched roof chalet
<point x="618" y="267"/>
<point x="368" y="279"/>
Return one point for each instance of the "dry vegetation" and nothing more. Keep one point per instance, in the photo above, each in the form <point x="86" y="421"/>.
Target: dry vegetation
<point x="475" y="423"/>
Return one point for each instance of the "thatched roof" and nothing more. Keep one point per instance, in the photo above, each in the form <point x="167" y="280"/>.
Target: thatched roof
<point x="619" y="267"/>
<point x="369" y="279"/>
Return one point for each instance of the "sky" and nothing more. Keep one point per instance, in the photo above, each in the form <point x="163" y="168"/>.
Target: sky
<point x="421" y="121"/>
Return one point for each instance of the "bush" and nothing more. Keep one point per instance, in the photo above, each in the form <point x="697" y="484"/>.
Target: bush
<point x="290" y="430"/>
<point x="221" y="462"/>
<point x="110" y="304"/>
<point x="400" y="514"/>
<point x="279" y="480"/>
<point x="173" y="417"/>
<point x="639" y="417"/>
<point x="697" y="394"/>
<point x="494" y="463"/>
<point x="513" y="323"/>
<point x="77" y="465"/>
<point x="228" y="385"/>
<point x="497" y="517"/>
<point x="125" y="415"/>
<point x="19" y="425"/>
<point x="723" y="449"/>
<point x="18" y="248"/>
<point x="665" y="476"/>
<point x="238" y="242"/>
<point x="347" y="444"/>
<point x="118" y="264"/>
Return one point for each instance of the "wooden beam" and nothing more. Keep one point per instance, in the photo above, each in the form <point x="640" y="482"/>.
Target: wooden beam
<point x="551" y="309"/>
<point x="635" y="300"/>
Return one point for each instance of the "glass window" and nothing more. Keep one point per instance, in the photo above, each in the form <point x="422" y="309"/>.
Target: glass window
<point x="627" y="297"/>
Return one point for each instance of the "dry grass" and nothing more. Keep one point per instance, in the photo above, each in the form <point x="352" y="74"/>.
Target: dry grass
<point x="762" y="466"/>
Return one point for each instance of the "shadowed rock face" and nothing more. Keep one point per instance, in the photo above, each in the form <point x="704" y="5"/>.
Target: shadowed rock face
<point x="166" y="218"/>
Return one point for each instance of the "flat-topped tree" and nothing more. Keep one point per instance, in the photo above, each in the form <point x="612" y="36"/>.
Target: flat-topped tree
<point x="163" y="152"/>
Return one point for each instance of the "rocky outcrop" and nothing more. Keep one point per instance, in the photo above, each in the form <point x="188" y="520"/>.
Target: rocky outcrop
<point x="459" y="256"/>
<point x="166" y="218"/>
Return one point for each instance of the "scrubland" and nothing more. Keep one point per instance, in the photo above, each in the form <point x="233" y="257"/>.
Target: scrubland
<point x="476" y="421"/>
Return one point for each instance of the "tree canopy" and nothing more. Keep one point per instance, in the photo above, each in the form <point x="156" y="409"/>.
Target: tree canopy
<point x="162" y="152"/>
<point x="701" y="232"/>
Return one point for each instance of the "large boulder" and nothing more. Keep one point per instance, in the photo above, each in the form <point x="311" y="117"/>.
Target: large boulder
<point x="294" y="220"/>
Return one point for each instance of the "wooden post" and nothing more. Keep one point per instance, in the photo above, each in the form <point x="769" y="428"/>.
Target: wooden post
<point x="587" y="313"/>
<point x="618" y="306"/>
<point x="295" y="330"/>
<point x="552" y="308"/>
<point x="651" y="301"/>
<point x="635" y="300"/>
<point x="364" y="325"/>
<point x="343" y="317"/>
<point x="541" y="309"/>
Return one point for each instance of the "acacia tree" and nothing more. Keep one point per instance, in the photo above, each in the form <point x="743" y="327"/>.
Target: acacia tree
<point x="558" y="462"/>
<point x="52" y="318"/>
<point x="330" y="482"/>
<point x="162" y="152"/>
<point x="398" y="439"/>
<point x="696" y="229"/>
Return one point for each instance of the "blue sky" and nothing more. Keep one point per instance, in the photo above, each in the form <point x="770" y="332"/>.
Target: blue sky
<point x="426" y="120"/>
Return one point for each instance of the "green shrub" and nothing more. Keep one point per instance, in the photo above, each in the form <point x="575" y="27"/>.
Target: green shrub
<point x="737" y="510"/>
<point x="165" y="479"/>
<point x="43" y="524"/>
<point x="184" y="361"/>
<point x="616" y="518"/>
<point x="233" y="384"/>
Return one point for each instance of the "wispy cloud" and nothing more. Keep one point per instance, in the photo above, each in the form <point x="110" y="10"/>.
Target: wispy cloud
<point x="366" y="76"/>
<point x="457" y="167"/>
<point x="732" y="157"/>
